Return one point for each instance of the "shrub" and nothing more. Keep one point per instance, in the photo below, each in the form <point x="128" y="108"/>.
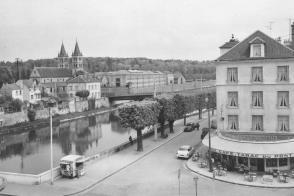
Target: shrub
<point x="31" y="115"/>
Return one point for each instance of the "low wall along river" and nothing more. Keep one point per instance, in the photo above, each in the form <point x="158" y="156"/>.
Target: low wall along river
<point x="25" y="157"/>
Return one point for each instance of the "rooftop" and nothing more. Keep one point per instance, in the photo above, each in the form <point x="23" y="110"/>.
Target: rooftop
<point x="273" y="49"/>
<point x="54" y="72"/>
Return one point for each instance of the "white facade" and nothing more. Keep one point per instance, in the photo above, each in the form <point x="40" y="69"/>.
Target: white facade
<point x="17" y="94"/>
<point x="94" y="90"/>
<point x="270" y="86"/>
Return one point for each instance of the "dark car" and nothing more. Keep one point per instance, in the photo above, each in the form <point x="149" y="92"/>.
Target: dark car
<point x="204" y="132"/>
<point x="193" y="125"/>
<point x="188" y="128"/>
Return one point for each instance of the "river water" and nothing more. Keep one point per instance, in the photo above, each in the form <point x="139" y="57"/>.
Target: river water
<point x="29" y="152"/>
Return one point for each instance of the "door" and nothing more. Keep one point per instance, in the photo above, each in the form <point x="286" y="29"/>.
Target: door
<point x="260" y="165"/>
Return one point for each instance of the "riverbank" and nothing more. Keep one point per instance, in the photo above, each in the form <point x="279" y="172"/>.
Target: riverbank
<point x="56" y="120"/>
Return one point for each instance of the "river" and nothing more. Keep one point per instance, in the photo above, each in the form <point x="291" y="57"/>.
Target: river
<point x="29" y="152"/>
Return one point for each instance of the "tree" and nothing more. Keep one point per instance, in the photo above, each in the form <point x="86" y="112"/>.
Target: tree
<point x="166" y="112"/>
<point x="31" y="115"/>
<point x="83" y="94"/>
<point x="200" y="104"/>
<point x="138" y="115"/>
<point x="16" y="105"/>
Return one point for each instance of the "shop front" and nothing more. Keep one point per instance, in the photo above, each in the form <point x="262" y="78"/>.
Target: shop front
<point x="259" y="156"/>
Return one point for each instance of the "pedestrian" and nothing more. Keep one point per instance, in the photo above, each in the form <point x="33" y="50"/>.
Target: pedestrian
<point x="131" y="140"/>
<point x="197" y="126"/>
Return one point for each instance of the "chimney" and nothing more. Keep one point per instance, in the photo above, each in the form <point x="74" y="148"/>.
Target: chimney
<point x="228" y="45"/>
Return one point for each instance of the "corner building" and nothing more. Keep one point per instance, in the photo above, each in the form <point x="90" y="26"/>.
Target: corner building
<point x="255" y="105"/>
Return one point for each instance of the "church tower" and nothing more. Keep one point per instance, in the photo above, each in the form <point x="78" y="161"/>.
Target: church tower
<point x="77" y="59"/>
<point x="62" y="58"/>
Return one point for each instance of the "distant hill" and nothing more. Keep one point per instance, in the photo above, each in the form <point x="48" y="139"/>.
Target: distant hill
<point x="190" y="69"/>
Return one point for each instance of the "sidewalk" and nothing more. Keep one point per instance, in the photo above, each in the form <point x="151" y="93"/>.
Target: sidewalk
<point x="235" y="177"/>
<point x="96" y="171"/>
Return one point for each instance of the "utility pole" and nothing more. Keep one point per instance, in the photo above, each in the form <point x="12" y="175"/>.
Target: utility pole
<point x="290" y="30"/>
<point x="269" y="27"/>
<point x="17" y="68"/>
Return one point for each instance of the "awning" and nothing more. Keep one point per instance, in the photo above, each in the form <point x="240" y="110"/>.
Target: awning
<point x="279" y="149"/>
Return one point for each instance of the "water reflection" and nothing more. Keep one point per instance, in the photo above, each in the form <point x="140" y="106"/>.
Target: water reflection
<point x="29" y="152"/>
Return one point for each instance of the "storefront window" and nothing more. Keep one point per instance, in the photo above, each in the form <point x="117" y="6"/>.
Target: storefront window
<point x="283" y="162"/>
<point x="292" y="162"/>
<point x="243" y="160"/>
<point x="271" y="163"/>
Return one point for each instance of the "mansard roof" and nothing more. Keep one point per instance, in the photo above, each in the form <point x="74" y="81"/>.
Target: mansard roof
<point x="272" y="49"/>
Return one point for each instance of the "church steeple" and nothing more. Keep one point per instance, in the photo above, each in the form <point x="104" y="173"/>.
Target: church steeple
<point x="62" y="52"/>
<point x="62" y="58"/>
<point x="77" y="51"/>
<point x="77" y="59"/>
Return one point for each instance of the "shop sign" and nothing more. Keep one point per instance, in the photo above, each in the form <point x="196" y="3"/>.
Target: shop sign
<point x="248" y="155"/>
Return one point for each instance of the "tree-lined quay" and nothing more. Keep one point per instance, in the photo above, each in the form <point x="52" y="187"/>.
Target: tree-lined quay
<point x="161" y="109"/>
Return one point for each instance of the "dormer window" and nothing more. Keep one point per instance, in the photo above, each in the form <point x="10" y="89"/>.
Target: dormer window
<point x="257" y="47"/>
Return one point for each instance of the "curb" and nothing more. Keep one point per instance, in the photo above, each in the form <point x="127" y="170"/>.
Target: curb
<point x="124" y="167"/>
<point x="235" y="183"/>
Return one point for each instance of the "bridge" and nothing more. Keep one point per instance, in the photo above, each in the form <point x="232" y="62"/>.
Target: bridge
<point x="189" y="88"/>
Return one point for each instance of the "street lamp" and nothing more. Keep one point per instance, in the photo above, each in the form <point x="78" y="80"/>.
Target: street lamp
<point x="209" y="140"/>
<point x="51" y="103"/>
<point x="195" y="180"/>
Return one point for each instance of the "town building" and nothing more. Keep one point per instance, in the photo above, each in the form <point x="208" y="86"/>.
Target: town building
<point x="31" y="91"/>
<point x="52" y="80"/>
<point x="255" y="99"/>
<point x="135" y="78"/>
<point x="12" y="90"/>
<point x="75" y="63"/>
<point x="80" y="83"/>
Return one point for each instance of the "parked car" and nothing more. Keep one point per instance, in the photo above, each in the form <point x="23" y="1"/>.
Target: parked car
<point x="204" y="132"/>
<point x="188" y="128"/>
<point x="185" y="151"/>
<point x="193" y="125"/>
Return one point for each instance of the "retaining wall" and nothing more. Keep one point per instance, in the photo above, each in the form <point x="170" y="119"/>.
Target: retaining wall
<point x="13" y="118"/>
<point x="46" y="176"/>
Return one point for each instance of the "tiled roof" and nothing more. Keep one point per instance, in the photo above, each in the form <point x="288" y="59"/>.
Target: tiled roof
<point x="77" y="51"/>
<point x="81" y="79"/>
<point x="53" y="84"/>
<point x="54" y="72"/>
<point x="62" y="52"/>
<point x="10" y="87"/>
<point x="273" y="49"/>
<point x="28" y="83"/>
<point x="229" y="44"/>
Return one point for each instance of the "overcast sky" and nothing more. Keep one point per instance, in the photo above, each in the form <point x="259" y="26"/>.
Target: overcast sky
<point x="164" y="29"/>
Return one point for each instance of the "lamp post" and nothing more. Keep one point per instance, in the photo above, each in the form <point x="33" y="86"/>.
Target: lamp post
<point x="195" y="180"/>
<point x="209" y="140"/>
<point x="51" y="103"/>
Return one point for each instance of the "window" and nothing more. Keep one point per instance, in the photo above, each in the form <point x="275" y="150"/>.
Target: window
<point x="271" y="162"/>
<point x="117" y="82"/>
<point x="32" y="96"/>
<point x="256" y="50"/>
<point x="283" y="123"/>
<point x="257" y="123"/>
<point x="283" y="162"/>
<point x="283" y="99"/>
<point x="256" y="74"/>
<point x="232" y="75"/>
<point x="283" y="73"/>
<point x="175" y="80"/>
<point x="233" y="123"/>
<point x="233" y="99"/>
<point x="257" y="99"/>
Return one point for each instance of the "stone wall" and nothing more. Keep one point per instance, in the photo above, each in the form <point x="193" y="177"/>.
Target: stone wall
<point x="13" y="118"/>
<point x="102" y="102"/>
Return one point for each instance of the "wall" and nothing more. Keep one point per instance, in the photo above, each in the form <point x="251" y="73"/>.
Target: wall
<point x="13" y="118"/>
<point x="103" y="102"/>
<point x="78" y="106"/>
<point x="269" y="86"/>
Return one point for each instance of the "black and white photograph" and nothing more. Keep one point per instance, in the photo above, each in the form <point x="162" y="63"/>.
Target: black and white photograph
<point x="146" y="98"/>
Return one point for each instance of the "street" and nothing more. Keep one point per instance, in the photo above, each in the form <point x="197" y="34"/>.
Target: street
<point x="157" y="174"/>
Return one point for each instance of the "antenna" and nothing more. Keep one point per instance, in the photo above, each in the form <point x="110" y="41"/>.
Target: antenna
<point x="269" y="27"/>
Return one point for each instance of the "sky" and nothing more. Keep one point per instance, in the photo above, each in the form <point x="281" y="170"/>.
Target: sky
<point x="158" y="29"/>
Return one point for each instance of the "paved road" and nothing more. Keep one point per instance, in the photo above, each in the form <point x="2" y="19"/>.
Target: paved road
<point x="157" y="174"/>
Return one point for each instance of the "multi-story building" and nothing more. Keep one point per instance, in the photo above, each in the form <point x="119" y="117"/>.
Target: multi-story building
<point x="75" y="63"/>
<point x="31" y="91"/>
<point x="12" y="90"/>
<point x="134" y="78"/>
<point x="255" y="113"/>
<point x="80" y="83"/>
